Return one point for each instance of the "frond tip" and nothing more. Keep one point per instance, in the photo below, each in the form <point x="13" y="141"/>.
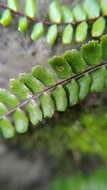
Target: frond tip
<point x="35" y="96"/>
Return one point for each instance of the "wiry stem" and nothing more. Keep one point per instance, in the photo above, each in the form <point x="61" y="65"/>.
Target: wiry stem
<point x="50" y="88"/>
<point x="46" y="22"/>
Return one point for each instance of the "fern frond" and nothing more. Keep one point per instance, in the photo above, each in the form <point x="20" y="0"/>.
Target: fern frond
<point x="75" y="21"/>
<point x="35" y="96"/>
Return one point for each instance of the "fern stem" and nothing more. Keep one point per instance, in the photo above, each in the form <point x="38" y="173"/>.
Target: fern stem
<point x="49" y="89"/>
<point x="46" y="22"/>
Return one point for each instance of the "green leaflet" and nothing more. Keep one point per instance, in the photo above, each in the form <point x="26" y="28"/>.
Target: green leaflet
<point x="31" y="82"/>
<point x="30" y="8"/>
<point x="11" y="101"/>
<point x="55" y="12"/>
<point x="104" y="46"/>
<point x="34" y="111"/>
<point x="81" y="32"/>
<point x="60" y="66"/>
<point x="103" y="5"/>
<point x="47" y="105"/>
<point x="92" y="8"/>
<point x="52" y="34"/>
<point x="72" y="90"/>
<point x="84" y="86"/>
<point x="67" y="15"/>
<point x="44" y="75"/>
<point x="21" y="121"/>
<point x="60" y="98"/>
<point x="98" y="27"/>
<point x="23" y="24"/>
<point x="67" y="34"/>
<point x="7" y="98"/>
<point x="6" y="18"/>
<point x="7" y="128"/>
<point x="37" y="32"/>
<point x="3" y="109"/>
<point x="79" y="13"/>
<point x="74" y="58"/>
<point x="98" y="78"/>
<point x="92" y="52"/>
<point x="17" y="87"/>
<point x="13" y="4"/>
<point x="23" y="92"/>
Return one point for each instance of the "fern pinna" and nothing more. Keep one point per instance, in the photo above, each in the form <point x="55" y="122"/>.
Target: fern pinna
<point x="74" y="23"/>
<point x="35" y="96"/>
